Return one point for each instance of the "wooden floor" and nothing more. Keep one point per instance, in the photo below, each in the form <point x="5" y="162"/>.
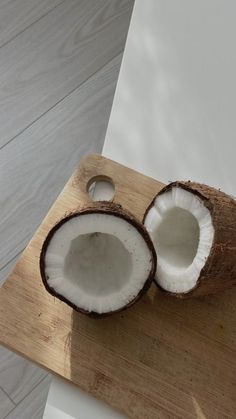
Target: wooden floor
<point x="59" y="63"/>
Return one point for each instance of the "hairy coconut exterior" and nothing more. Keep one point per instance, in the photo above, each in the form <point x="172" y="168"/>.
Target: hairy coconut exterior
<point x="109" y="208"/>
<point x="219" y="271"/>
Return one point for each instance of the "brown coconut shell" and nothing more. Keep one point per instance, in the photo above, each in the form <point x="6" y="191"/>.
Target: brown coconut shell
<point x="108" y="208"/>
<point x="219" y="271"/>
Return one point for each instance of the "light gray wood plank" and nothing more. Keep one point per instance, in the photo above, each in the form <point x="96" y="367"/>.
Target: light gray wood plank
<point x="35" y="166"/>
<point x="17" y="15"/>
<point x="18" y="376"/>
<point x="56" y="55"/>
<point x="32" y="406"/>
<point x="6" y="405"/>
<point x="7" y="268"/>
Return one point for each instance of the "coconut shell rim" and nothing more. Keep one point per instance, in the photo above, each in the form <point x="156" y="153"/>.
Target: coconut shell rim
<point x="108" y="208"/>
<point x="187" y="186"/>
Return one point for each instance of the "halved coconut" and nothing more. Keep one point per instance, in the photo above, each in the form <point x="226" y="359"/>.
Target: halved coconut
<point x="99" y="260"/>
<point x="193" y="228"/>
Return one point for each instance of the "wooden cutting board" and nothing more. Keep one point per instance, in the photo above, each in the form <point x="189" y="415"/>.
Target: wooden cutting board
<point x="162" y="358"/>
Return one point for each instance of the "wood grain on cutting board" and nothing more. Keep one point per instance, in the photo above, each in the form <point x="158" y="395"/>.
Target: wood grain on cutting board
<point x="162" y="358"/>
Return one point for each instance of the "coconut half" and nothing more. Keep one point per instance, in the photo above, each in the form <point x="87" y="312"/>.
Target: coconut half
<point x="99" y="260"/>
<point x="193" y="228"/>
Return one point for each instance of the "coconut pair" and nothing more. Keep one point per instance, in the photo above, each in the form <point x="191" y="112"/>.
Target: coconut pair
<point x="102" y="259"/>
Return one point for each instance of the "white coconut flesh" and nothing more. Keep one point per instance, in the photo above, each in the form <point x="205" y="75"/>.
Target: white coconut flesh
<point x="182" y="232"/>
<point x="99" y="262"/>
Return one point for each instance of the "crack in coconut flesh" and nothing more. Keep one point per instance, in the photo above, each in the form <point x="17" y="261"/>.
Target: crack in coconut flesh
<point x="98" y="261"/>
<point x="182" y="231"/>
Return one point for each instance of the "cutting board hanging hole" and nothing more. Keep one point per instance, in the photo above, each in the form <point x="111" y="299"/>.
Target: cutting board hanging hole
<point x="101" y="188"/>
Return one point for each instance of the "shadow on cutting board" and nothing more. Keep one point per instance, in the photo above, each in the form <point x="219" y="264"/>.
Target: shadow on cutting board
<point x="161" y="357"/>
